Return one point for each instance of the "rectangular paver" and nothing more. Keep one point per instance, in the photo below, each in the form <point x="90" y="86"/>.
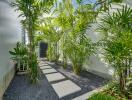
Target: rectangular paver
<point x="46" y="71"/>
<point x="45" y="67"/>
<point x="54" y="77"/>
<point x="40" y="65"/>
<point x="88" y="94"/>
<point x="43" y="64"/>
<point x="65" y="88"/>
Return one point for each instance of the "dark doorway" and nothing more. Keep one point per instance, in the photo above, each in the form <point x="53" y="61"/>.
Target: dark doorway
<point x="42" y="49"/>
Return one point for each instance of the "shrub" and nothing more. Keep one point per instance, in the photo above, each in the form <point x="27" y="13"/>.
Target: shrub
<point x="19" y="54"/>
<point x="117" y="40"/>
<point x="101" y="96"/>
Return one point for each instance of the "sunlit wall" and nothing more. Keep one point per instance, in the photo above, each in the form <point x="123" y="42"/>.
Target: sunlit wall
<point x="96" y="64"/>
<point x="10" y="33"/>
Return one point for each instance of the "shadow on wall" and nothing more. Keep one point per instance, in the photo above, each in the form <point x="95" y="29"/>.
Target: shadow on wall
<point x="96" y="63"/>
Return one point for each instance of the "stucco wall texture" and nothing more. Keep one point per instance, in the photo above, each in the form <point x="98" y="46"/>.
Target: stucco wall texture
<point x="10" y="33"/>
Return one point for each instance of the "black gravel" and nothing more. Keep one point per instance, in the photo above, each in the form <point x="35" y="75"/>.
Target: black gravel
<point x="21" y="89"/>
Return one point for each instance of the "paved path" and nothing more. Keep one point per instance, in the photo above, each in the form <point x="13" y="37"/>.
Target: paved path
<point x="63" y="87"/>
<point x="54" y="84"/>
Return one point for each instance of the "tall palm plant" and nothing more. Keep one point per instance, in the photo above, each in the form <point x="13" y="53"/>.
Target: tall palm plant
<point x="79" y="46"/>
<point x="103" y="5"/>
<point x="72" y="24"/>
<point x="30" y="10"/>
<point x="62" y="23"/>
<point x="50" y="35"/>
<point x="117" y="32"/>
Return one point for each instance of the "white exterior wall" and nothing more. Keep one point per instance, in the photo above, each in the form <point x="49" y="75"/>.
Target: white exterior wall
<point x="96" y="64"/>
<point x="10" y="33"/>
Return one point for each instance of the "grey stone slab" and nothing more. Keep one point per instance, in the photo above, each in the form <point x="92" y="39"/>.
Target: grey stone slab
<point x="65" y="88"/>
<point x="88" y="94"/>
<point x="42" y="64"/>
<point x="54" y="77"/>
<point x="47" y="71"/>
<point x="44" y="90"/>
<point x="83" y="97"/>
<point x="45" y="67"/>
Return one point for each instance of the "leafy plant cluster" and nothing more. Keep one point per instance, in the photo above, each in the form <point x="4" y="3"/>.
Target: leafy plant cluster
<point x="66" y="36"/>
<point x="117" y="30"/>
<point x="101" y="96"/>
<point x="65" y="33"/>
<point x="30" y="11"/>
<point x="50" y="35"/>
<point x="104" y="5"/>
<point x="19" y="55"/>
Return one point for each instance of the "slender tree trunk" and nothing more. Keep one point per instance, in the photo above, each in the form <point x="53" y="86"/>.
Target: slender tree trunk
<point x="129" y="63"/>
<point x="64" y="54"/>
<point x="122" y="82"/>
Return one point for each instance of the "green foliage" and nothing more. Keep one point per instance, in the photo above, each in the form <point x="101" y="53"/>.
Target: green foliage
<point x="30" y="11"/>
<point x="117" y="41"/>
<point x="52" y="53"/>
<point x="79" y="1"/>
<point x="73" y="23"/>
<point x="66" y="33"/>
<point x="19" y="50"/>
<point x="78" y="46"/>
<point x="50" y="35"/>
<point x="101" y="96"/>
<point x="78" y="52"/>
<point x="33" y="65"/>
<point x="113" y="88"/>
<point x="129" y="85"/>
<point x="104" y="5"/>
<point x="19" y="54"/>
<point x="118" y="1"/>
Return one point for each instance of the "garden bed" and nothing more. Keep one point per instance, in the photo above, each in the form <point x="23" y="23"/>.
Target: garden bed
<point x="21" y="89"/>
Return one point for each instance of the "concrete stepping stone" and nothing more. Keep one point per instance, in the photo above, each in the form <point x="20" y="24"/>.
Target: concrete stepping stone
<point x="42" y="64"/>
<point x="47" y="71"/>
<point x="54" y="77"/>
<point x="45" y="67"/>
<point x="65" y="88"/>
<point x="51" y="63"/>
<point x="88" y="94"/>
<point x="82" y="97"/>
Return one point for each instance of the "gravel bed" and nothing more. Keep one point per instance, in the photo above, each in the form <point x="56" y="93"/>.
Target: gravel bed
<point x="21" y="89"/>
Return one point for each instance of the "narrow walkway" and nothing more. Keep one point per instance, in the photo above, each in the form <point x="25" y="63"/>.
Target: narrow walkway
<point x="54" y="84"/>
<point x="62" y="88"/>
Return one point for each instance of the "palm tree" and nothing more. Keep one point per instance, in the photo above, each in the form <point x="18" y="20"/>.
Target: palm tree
<point x="30" y="11"/>
<point x="79" y="46"/>
<point x="62" y="23"/>
<point x="117" y="32"/>
<point x="51" y="36"/>
<point x="103" y="5"/>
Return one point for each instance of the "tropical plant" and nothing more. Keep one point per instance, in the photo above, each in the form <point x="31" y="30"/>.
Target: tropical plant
<point x="117" y="31"/>
<point x="101" y="96"/>
<point x="33" y="68"/>
<point x="118" y="1"/>
<point x="78" y="52"/>
<point x="78" y="46"/>
<point x="51" y="36"/>
<point x="19" y="54"/>
<point x="129" y="85"/>
<point x="104" y="5"/>
<point x="72" y="23"/>
<point x="30" y="11"/>
<point x="62" y="25"/>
